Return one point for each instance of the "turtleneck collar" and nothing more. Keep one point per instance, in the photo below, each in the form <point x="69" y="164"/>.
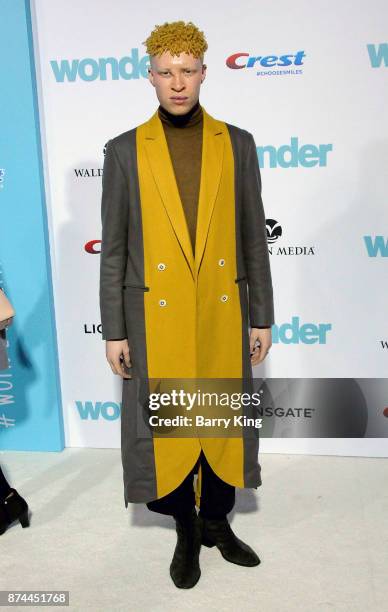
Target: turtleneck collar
<point x="192" y="117"/>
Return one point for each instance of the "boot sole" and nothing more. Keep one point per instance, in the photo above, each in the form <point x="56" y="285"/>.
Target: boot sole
<point x="242" y="564"/>
<point x="186" y="587"/>
<point x="210" y="544"/>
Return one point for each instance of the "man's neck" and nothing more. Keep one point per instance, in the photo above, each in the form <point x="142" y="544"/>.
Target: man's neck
<point x="187" y="119"/>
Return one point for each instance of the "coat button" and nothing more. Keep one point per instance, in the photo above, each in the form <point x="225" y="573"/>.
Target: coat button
<point x="221" y="262"/>
<point x="162" y="302"/>
<point x="223" y="298"/>
<point x="161" y="266"/>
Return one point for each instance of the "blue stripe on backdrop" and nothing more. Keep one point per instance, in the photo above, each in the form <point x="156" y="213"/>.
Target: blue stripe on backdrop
<point x="30" y="398"/>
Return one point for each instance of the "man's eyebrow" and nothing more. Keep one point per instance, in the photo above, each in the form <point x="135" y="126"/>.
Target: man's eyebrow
<point x="181" y="67"/>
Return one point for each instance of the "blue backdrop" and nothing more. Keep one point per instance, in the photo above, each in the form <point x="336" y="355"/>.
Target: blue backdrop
<point x="30" y="400"/>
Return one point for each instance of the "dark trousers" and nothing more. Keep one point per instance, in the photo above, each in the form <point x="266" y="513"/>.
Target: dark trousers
<point x="217" y="496"/>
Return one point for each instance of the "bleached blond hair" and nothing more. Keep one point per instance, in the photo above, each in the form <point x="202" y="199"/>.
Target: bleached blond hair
<point x="176" y="37"/>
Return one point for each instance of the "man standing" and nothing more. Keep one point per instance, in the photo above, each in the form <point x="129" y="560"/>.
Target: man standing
<point x="183" y="244"/>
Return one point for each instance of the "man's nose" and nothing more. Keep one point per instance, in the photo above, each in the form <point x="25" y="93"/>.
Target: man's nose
<point x="177" y="84"/>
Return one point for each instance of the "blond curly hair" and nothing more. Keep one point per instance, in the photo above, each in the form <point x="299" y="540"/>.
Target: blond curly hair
<point x="176" y="37"/>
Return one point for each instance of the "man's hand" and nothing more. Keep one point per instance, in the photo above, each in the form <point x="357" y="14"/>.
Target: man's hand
<point x="259" y="353"/>
<point x="114" y="350"/>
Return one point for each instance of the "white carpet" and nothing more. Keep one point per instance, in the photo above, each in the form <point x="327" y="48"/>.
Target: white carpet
<point x="318" y="523"/>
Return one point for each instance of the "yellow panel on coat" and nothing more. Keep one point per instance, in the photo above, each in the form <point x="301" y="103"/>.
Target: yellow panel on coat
<point x="192" y="329"/>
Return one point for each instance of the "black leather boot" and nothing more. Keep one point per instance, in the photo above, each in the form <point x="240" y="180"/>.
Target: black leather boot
<point x="184" y="569"/>
<point x="12" y="508"/>
<point x="219" y="533"/>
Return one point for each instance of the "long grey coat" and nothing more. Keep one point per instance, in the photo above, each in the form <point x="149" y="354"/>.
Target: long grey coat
<point x="185" y="314"/>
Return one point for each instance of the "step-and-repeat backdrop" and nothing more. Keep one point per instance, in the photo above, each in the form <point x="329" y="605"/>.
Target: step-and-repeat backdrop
<point x="309" y="80"/>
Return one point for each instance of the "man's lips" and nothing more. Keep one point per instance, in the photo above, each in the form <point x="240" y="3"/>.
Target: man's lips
<point x="179" y="98"/>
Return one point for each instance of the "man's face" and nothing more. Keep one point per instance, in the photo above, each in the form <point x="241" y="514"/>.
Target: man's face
<point x="177" y="80"/>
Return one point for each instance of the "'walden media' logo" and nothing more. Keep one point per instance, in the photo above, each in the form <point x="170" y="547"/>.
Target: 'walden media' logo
<point x="88" y="172"/>
<point x="101" y="69"/>
<point x="274" y="232"/>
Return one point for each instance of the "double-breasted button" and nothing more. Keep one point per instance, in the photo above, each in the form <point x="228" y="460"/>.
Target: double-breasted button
<point x="162" y="302"/>
<point x="161" y="266"/>
<point x="223" y="298"/>
<point x="221" y="262"/>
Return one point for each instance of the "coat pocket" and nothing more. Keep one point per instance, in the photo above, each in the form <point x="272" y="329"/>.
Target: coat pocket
<point x="240" y="278"/>
<point x="132" y="286"/>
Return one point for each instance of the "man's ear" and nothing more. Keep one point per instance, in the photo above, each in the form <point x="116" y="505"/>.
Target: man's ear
<point x="150" y="75"/>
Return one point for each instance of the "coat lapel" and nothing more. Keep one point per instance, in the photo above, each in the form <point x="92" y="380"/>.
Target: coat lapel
<point x="211" y="166"/>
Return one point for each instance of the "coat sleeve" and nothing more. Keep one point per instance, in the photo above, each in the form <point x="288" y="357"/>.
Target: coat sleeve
<point x="114" y="245"/>
<point x="254" y="241"/>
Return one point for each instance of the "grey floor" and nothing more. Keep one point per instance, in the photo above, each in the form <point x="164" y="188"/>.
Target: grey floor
<point x="319" y="525"/>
